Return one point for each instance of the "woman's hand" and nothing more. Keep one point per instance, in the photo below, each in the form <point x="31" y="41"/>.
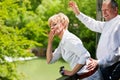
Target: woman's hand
<point x="51" y="36"/>
<point x="68" y="73"/>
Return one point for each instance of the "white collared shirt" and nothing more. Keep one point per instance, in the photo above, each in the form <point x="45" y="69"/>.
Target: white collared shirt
<point x="72" y="51"/>
<point x="108" y="47"/>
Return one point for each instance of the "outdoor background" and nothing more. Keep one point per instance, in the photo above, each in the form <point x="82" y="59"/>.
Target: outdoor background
<point x="23" y="33"/>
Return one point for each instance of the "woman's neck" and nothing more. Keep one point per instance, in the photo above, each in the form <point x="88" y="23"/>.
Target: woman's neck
<point x="61" y="34"/>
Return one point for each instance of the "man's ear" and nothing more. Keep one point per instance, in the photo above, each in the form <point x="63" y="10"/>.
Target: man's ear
<point x="116" y="10"/>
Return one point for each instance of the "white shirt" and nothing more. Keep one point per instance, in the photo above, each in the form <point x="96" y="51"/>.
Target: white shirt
<point x="108" y="47"/>
<point x="72" y="51"/>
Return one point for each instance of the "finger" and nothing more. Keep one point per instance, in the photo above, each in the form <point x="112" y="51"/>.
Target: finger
<point x="90" y="68"/>
<point x="90" y="59"/>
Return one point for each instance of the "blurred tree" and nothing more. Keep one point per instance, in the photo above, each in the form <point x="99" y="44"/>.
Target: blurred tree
<point x="24" y="24"/>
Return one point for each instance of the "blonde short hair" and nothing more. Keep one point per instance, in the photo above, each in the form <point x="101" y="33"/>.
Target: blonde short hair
<point x="60" y="17"/>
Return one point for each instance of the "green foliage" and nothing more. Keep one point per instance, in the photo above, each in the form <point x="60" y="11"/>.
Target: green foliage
<point x="24" y="25"/>
<point x="8" y="71"/>
<point x="13" y="45"/>
<point x="12" y="19"/>
<point x="33" y="32"/>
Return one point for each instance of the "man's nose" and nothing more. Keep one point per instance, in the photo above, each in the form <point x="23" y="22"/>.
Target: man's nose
<point x="103" y="13"/>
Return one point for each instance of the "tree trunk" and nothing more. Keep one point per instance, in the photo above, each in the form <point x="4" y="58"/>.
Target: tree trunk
<point x="98" y="17"/>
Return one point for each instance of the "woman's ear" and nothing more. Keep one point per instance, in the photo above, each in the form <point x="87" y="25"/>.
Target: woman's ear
<point x="64" y="25"/>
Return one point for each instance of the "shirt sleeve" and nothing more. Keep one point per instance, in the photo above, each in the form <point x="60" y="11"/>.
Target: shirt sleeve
<point x="91" y="23"/>
<point x="56" y="55"/>
<point x="78" y="49"/>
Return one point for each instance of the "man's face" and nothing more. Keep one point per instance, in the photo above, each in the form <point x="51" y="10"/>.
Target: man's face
<point x="108" y="12"/>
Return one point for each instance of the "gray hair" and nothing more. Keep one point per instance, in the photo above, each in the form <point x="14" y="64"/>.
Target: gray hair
<point x="114" y="4"/>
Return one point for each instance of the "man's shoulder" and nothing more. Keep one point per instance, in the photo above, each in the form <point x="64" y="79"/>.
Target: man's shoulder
<point x="118" y="17"/>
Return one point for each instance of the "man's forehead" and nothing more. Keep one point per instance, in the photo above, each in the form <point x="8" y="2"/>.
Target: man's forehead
<point x="106" y="1"/>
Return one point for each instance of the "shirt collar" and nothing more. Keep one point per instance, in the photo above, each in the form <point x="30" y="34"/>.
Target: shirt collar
<point x="64" y="36"/>
<point x="115" y="18"/>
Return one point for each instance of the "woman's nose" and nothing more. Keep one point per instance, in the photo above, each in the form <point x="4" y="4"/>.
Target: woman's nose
<point x="52" y="27"/>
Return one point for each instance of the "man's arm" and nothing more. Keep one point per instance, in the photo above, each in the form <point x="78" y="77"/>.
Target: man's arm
<point x="89" y="22"/>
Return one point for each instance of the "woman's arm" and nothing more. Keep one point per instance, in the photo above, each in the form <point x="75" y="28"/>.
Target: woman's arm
<point x="74" y="71"/>
<point x="49" y="54"/>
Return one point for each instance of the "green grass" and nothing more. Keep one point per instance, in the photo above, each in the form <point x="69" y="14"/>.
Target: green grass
<point x="38" y="69"/>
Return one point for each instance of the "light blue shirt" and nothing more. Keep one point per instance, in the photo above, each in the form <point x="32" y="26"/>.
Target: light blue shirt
<point x="72" y="51"/>
<point x="108" y="51"/>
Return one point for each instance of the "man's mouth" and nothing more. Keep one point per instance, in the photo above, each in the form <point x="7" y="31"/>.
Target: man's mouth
<point x="105" y="16"/>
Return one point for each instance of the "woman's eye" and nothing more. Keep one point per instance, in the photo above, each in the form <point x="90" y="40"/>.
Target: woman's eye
<point x="54" y="24"/>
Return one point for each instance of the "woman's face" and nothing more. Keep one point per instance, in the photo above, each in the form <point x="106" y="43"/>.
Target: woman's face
<point x="56" y="27"/>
